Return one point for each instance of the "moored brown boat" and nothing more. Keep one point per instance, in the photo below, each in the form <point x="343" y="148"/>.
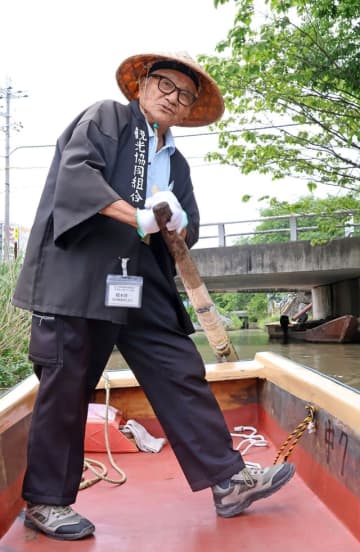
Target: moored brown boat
<point x="343" y="329"/>
<point x="339" y="330"/>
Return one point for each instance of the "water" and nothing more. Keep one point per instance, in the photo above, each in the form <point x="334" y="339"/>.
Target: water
<point x="338" y="360"/>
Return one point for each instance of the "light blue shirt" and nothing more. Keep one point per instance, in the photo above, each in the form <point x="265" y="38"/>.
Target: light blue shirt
<point x="158" y="174"/>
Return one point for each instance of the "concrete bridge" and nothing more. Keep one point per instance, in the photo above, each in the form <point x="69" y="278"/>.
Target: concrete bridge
<point x="330" y="271"/>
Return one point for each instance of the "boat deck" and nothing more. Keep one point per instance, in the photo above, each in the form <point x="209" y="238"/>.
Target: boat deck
<point x="155" y="510"/>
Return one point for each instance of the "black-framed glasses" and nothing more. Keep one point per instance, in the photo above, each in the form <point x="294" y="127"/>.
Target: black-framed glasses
<point x="167" y="86"/>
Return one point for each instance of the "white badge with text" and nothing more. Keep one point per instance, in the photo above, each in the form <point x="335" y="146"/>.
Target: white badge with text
<point x="123" y="291"/>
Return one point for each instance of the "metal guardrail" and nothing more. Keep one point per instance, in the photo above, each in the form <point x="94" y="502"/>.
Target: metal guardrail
<point x="223" y="232"/>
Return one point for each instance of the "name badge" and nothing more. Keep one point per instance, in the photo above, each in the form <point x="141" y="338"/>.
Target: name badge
<point x="123" y="291"/>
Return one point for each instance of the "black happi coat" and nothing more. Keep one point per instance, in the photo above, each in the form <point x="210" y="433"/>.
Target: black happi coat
<point x="72" y="248"/>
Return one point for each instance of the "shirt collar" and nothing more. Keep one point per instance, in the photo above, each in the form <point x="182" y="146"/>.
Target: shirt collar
<point x="169" y="142"/>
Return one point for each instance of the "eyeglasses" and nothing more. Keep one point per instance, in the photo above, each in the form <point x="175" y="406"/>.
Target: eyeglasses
<point x="166" y="86"/>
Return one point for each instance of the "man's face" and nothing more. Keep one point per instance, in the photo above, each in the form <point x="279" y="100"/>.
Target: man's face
<point x="166" y="109"/>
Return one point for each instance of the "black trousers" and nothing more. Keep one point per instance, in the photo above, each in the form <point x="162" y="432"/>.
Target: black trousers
<point x="70" y="354"/>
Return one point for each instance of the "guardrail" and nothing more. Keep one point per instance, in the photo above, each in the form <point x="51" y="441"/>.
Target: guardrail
<point x="222" y="232"/>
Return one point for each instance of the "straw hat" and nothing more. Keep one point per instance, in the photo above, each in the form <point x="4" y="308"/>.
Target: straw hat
<point x="207" y="109"/>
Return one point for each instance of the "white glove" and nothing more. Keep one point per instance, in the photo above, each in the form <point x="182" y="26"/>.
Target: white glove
<point x="159" y="197"/>
<point x="178" y="220"/>
<point x="179" y="217"/>
<point x="146" y="222"/>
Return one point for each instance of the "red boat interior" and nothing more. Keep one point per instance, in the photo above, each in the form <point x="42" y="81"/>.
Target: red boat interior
<point x="155" y="510"/>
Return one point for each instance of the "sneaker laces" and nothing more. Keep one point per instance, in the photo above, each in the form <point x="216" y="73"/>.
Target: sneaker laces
<point x="61" y="511"/>
<point x="246" y="476"/>
<point x="255" y="469"/>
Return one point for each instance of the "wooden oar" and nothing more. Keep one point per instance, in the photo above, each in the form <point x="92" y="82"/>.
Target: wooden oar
<point x="196" y="290"/>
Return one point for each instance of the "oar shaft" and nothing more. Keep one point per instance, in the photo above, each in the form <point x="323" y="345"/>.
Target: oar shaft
<point x="195" y="288"/>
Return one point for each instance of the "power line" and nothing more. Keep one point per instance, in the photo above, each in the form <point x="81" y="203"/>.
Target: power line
<point x="32" y="147"/>
<point x="26" y="167"/>
<point x="238" y="130"/>
<point x="212" y="133"/>
<point x="8" y="95"/>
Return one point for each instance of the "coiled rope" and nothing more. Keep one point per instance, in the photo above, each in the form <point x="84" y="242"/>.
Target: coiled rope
<point x="90" y="463"/>
<point x="250" y="437"/>
<point x="295" y="436"/>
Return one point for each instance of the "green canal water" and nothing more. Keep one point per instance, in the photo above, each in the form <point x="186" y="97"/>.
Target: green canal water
<point x="340" y="361"/>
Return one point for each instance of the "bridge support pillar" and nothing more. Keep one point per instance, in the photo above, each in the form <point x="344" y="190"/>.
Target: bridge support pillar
<point x="336" y="299"/>
<point x="346" y="297"/>
<point x="321" y="302"/>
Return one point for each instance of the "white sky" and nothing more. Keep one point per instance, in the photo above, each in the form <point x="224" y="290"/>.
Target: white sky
<point x="64" y="54"/>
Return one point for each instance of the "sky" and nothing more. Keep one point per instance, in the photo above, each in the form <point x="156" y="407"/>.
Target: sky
<point x="63" y="56"/>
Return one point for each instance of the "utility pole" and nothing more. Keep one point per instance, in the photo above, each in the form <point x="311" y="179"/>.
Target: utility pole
<point x="8" y="94"/>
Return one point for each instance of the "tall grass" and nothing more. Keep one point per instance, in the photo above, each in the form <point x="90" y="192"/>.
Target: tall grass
<point x="14" y="330"/>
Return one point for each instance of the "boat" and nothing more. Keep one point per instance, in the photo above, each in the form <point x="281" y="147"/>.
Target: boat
<point x="342" y="329"/>
<point x="301" y="415"/>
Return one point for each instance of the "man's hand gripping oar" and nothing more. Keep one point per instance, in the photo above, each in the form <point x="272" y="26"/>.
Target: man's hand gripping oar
<point x="199" y="297"/>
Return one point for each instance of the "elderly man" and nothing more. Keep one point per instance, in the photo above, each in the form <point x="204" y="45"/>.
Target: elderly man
<point x="95" y="227"/>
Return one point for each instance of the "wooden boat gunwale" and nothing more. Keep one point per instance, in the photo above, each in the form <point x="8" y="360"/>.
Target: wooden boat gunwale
<point x="292" y="377"/>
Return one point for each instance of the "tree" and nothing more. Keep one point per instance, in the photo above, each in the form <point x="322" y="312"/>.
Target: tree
<point x="291" y="85"/>
<point x="258" y="306"/>
<point x="321" y="226"/>
<point x="229" y="302"/>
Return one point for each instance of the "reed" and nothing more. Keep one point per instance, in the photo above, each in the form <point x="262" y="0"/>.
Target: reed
<point x="14" y="330"/>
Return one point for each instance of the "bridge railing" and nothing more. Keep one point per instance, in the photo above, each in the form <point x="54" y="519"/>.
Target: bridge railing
<point x="223" y="234"/>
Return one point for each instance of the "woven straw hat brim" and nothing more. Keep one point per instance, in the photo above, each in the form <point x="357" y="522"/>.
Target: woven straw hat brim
<point x="207" y="109"/>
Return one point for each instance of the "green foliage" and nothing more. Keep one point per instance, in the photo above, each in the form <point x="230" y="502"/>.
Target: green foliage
<point x="13" y="369"/>
<point x="14" y="330"/>
<point x="258" y="306"/>
<point x="322" y="226"/>
<point x="228" y="303"/>
<point x="294" y="72"/>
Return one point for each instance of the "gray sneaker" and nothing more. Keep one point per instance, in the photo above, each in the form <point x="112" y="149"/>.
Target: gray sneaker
<point x="59" y="522"/>
<point x="250" y="484"/>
